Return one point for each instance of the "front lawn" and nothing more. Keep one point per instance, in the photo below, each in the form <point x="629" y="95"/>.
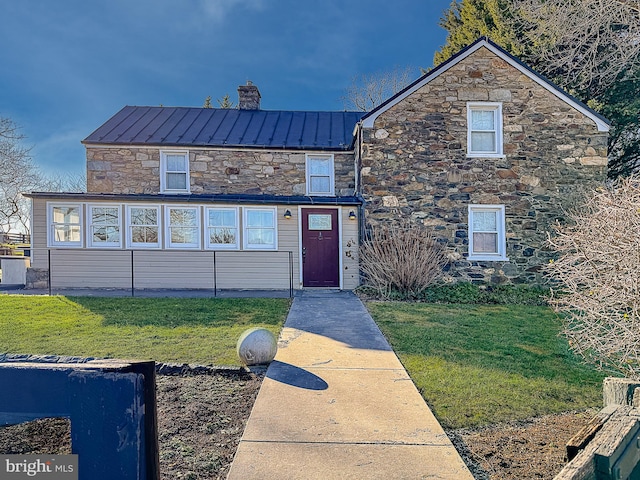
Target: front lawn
<point x="191" y="330"/>
<point x="481" y="364"/>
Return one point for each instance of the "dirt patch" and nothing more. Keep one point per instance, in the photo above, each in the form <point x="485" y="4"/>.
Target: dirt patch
<point x="531" y="449"/>
<point x="201" y="419"/>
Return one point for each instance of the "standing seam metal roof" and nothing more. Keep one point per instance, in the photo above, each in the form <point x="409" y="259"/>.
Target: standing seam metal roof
<point x="212" y="127"/>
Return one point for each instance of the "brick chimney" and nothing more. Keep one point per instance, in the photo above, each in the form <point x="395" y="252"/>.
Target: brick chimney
<point x="248" y="97"/>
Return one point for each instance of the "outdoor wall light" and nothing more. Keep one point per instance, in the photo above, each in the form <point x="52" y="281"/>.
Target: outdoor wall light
<point x="352" y="215"/>
<point x="287" y="214"/>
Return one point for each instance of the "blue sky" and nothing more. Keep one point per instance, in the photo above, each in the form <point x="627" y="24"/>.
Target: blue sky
<point x="68" y="65"/>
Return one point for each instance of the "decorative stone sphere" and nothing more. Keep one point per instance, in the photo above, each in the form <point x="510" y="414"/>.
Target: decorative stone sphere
<point x="256" y="346"/>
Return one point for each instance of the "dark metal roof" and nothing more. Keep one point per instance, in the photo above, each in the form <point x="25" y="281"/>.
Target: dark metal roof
<point x="203" y="198"/>
<point x="213" y="127"/>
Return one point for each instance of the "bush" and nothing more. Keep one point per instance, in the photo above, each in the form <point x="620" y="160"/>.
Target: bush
<point x="402" y="259"/>
<point x="598" y="268"/>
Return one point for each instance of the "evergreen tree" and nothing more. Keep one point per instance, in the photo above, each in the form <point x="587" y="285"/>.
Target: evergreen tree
<point x="207" y="102"/>
<point x="225" y="102"/>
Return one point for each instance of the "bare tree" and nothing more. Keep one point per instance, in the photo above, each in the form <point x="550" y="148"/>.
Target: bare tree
<point x="17" y="174"/>
<point x="366" y="92"/>
<point x="597" y="269"/>
<point x="588" y="44"/>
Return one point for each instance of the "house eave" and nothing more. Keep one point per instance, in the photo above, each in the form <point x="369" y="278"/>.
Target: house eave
<point x="243" y="199"/>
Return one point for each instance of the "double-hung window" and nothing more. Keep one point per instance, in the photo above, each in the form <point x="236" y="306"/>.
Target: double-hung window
<point x="260" y="229"/>
<point x="484" y="129"/>
<point x="487" y="239"/>
<point x="320" y="175"/>
<point x="222" y="228"/>
<point x="174" y="171"/>
<point x="65" y="225"/>
<point x="143" y="226"/>
<point x="104" y="226"/>
<point x="183" y="225"/>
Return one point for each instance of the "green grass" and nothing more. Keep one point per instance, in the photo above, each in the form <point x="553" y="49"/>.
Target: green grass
<point x="203" y="331"/>
<point x="482" y="364"/>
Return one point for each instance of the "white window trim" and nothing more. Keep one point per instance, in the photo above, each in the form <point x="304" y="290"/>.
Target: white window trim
<point x="90" y="243"/>
<point x="501" y="255"/>
<point x="245" y="244"/>
<point x="167" y="223"/>
<point x="486" y="106"/>
<point x="221" y="246"/>
<point x="163" y="171"/>
<point x="51" y="241"/>
<point x="332" y="182"/>
<point x="145" y="246"/>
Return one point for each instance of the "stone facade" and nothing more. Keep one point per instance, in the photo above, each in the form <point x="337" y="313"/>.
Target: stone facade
<point x="414" y="164"/>
<point x="212" y="171"/>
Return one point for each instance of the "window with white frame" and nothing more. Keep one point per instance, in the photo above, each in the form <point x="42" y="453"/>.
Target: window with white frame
<point x="183" y="227"/>
<point x="484" y="129"/>
<point x="174" y="171"/>
<point x="487" y="239"/>
<point x="103" y="226"/>
<point x="65" y="225"/>
<point x="222" y="228"/>
<point x="260" y="229"/>
<point x="320" y="175"/>
<point x="143" y="226"/>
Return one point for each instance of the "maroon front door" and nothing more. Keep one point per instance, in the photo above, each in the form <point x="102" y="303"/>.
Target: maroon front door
<point x="320" y="248"/>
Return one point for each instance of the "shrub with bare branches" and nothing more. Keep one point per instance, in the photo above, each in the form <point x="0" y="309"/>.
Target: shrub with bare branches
<point x="599" y="270"/>
<point x="401" y="258"/>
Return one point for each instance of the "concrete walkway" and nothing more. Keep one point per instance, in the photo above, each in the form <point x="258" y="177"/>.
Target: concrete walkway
<point x="337" y="404"/>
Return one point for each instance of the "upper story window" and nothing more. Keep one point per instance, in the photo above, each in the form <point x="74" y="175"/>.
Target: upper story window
<point x="260" y="229"/>
<point x="183" y="225"/>
<point x="65" y="225"/>
<point x="484" y="129"/>
<point x="174" y="171"/>
<point x="143" y="226"/>
<point x="104" y="226"/>
<point x="320" y="175"/>
<point x="222" y="228"/>
<point x="487" y="238"/>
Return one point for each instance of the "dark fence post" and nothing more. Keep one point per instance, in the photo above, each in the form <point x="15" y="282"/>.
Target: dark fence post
<point x="215" y="276"/>
<point x="290" y="274"/>
<point x="49" y="273"/>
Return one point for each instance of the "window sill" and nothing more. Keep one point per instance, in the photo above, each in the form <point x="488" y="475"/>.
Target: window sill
<point x="65" y="245"/>
<point x="486" y="155"/>
<point x="313" y="194"/>
<point x="488" y="258"/>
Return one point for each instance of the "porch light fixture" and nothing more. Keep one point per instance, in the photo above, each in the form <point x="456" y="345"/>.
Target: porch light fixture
<point x="352" y="215"/>
<point x="287" y="214"/>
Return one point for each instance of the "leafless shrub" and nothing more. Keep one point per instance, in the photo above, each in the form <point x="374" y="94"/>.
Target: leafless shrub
<point x="402" y="258"/>
<point x="599" y="270"/>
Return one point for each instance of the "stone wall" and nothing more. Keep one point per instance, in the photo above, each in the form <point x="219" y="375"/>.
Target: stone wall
<point x="212" y="171"/>
<point x="414" y="164"/>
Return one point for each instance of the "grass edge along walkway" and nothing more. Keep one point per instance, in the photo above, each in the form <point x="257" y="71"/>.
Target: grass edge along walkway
<point x="482" y="364"/>
<point x="177" y="330"/>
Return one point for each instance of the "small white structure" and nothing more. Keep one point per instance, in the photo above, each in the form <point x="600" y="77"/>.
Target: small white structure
<point x="14" y="270"/>
<point x="256" y="346"/>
